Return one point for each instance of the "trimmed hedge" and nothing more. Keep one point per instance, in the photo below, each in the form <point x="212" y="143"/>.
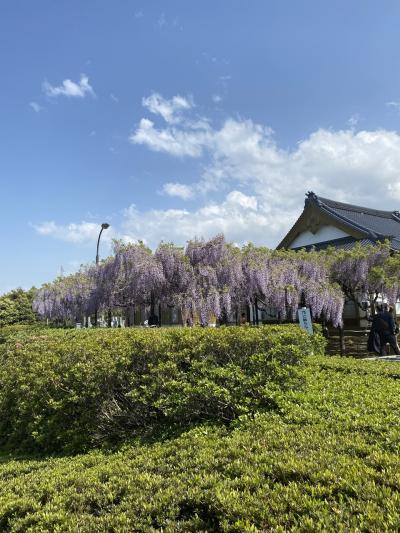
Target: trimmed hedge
<point x="328" y="461"/>
<point x="6" y="332"/>
<point x="68" y="390"/>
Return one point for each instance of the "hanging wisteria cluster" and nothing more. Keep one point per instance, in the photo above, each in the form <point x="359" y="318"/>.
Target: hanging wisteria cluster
<point x="207" y="278"/>
<point x="367" y="274"/>
<point x="68" y="297"/>
<point x="357" y="270"/>
<point x="217" y="278"/>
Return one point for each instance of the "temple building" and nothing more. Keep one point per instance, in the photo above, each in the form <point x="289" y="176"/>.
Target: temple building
<point x="326" y="223"/>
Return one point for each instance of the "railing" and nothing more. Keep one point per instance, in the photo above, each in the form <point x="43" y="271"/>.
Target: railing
<point x="348" y="342"/>
<point x="352" y="342"/>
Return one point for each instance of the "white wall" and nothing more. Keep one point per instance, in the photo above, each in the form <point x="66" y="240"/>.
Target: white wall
<point x="324" y="233"/>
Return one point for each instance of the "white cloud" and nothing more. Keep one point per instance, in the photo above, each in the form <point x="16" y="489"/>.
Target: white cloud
<point x="262" y="185"/>
<point x="353" y="120"/>
<point x="114" y="98"/>
<point x="396" y="105"/>
<point x="178" y="189"/>
<point x="177" y="142"/>
<point x="241" y="200"/>
<point x="216" y="98"/>
<point x="234" y="216"/>
<point x="36" y="107"/>
<point x="70" y="88"/>
<point x="77" y="233"/>
<point x="170" y="110"/>
<point x="346" y="163"/>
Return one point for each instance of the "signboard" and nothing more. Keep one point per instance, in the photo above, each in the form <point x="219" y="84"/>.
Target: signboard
<point x="305" y="319"/>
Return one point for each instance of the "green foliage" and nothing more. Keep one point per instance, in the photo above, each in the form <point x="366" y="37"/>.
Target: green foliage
<point x="67" y="390"/>
<point x="20" y="330"/>
<point x="16" y="307"/>
<point x="327" y="461"/>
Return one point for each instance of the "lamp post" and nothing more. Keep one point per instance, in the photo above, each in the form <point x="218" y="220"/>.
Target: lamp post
<point x="103" y="227"/>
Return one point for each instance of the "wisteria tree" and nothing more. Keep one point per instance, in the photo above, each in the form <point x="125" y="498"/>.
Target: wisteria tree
<point x="215" y="278"/>
<point x="68" y="298"/>
<point x="283" y="279"/>
<point x="136" y="275"/>
<point x="178" y="275"/>
<point x="366" y="273"/>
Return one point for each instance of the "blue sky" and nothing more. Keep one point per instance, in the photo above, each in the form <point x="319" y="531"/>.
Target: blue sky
<point x="177" y="119"/>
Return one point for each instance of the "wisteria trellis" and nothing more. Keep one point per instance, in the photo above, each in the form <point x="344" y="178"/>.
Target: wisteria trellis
<point x="215" y="277"/>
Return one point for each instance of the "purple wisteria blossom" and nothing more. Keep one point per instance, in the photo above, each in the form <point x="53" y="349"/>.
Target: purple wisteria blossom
<point x="212" y="278"/>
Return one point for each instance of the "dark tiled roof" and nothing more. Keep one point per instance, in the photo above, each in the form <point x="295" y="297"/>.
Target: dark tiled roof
<point x="374" y="223"/>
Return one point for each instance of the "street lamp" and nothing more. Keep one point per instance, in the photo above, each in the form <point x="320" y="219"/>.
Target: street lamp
<point x="103" y="227"/>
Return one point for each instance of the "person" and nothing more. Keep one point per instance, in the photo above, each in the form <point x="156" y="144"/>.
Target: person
<point x="377" y="336"/>
<point x="390" y="335"/>
<point x="153" y="321"/>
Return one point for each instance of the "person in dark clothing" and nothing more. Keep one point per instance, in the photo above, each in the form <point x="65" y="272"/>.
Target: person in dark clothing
<point x="153" y="321"/>
<point x="388" y="318"/>
<point x="390" y="334"/>
<point x="377" y="335"/>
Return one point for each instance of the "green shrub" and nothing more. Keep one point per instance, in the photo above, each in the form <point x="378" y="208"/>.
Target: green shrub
<point x="66" y="390"/>
<point x="327" y="461"/>
<point x="6" y="332"/>
<point x="16" y="307"/>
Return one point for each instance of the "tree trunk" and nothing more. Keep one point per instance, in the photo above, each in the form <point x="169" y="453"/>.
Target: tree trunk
<point x="256" y="311"/>
<point x="248" y="312"/>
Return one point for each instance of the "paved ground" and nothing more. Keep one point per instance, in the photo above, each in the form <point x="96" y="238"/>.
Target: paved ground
<point x="390" y="358"/>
